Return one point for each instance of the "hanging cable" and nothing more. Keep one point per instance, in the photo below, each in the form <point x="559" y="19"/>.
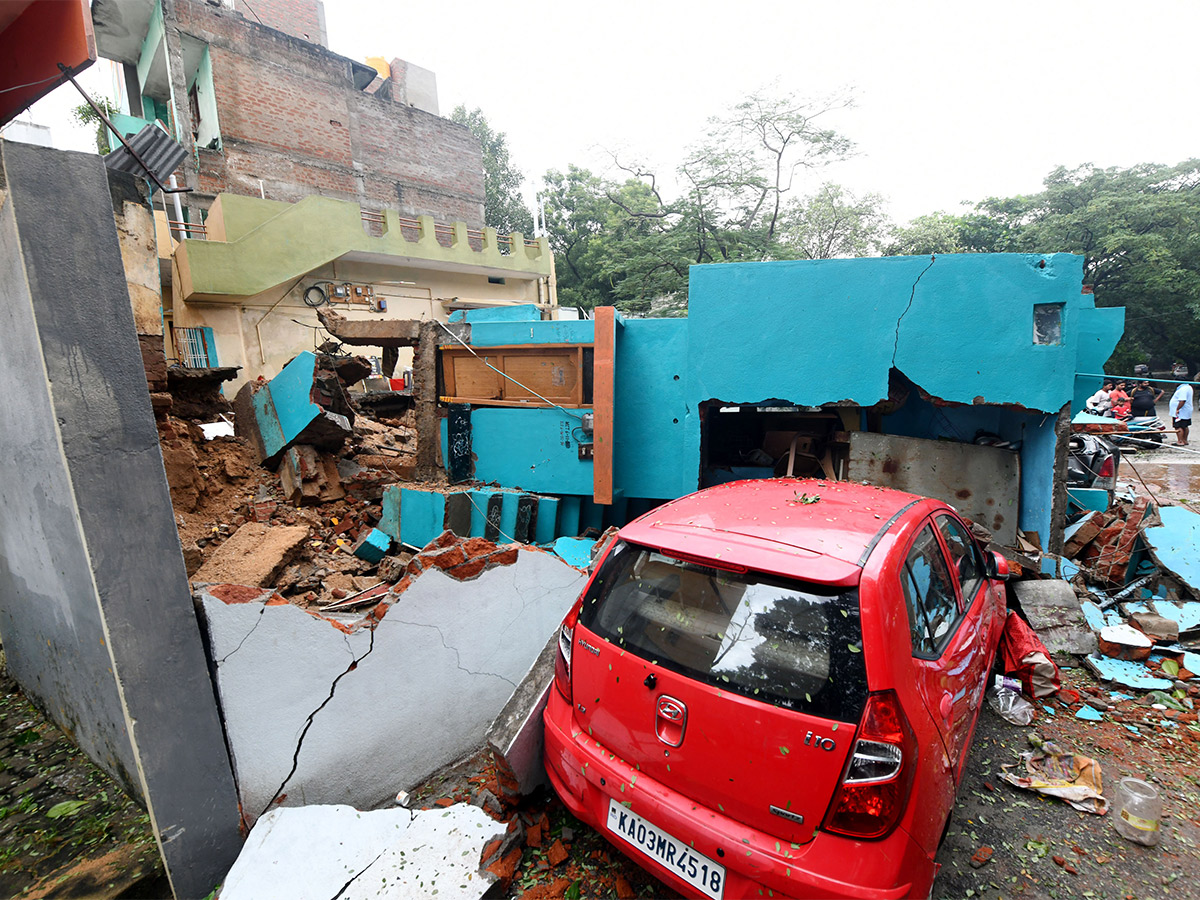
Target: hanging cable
<point x="471" y="350"/>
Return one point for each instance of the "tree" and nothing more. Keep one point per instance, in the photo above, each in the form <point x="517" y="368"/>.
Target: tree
<point x="626" y="241"/>
<point x="85" y="115"/>
<point x="1138" y="230"/>
<point x="503" y="208"/>
<point x="833" y="223"/>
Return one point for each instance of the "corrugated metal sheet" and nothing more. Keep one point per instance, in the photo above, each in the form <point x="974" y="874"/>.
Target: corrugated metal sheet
<point x="161" y="153"/>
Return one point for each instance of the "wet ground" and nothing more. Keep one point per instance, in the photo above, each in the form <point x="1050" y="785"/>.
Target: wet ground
<point x="66" y="829"/>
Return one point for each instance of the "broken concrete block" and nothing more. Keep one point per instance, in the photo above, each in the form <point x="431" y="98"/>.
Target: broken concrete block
<point x="318" y="852"/>
<point x="308" y="477"/>
<point x="1125" y="642"/>
<point x="254" y="555"/>
<point x="1083" y="533"/>
<point x="516" y="734"/>
<point x="303" y="404"/>
<point x="372" y="546"/>
<point x="1054" y="612"/>
<point x="1158" y="628"/>
<point x="327" y="710"/>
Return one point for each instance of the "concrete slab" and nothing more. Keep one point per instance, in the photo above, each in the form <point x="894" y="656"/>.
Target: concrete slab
<point x="318" y="852"/>
<point x="1127" y="674"/>
<point x="1173" y="544"/>
<point x="1054" y="613"/>
<point x="982" y="483"/>
<point x="326" y="710"/>
<point x="253" y="555"/>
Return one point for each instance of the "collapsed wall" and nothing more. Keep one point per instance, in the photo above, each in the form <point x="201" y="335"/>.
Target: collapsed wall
<point x="350" y="707"/>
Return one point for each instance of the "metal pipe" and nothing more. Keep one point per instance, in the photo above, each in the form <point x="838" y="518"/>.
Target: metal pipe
<point x="109" y="125"/>
<point x="178" y="208"/>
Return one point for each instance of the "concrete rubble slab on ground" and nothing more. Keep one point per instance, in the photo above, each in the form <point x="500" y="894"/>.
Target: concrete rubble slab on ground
<point x="253" y="555"/>
<point x="1054" y="613"/>
<point x="319" y="852"/>
<point x="336" y="709"/>
<point x="1172" y="544"/>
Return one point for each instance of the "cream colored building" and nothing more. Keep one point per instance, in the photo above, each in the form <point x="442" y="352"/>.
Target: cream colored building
<point x="244" y="290"/>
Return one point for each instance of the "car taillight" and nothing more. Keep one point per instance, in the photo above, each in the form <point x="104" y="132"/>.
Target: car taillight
<point x="562" y="659"/>
<point x="878" y="778"/>
<point x="1106" y="469"/>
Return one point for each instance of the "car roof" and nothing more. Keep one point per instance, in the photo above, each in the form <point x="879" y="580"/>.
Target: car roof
<point x="776" y="525"/>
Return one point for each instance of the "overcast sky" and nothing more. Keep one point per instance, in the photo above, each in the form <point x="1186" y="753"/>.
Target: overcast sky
<point x="954" y="102"/>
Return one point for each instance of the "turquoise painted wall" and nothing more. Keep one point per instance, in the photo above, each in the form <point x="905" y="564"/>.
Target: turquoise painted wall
<point x="649" y="425"/>
<point x="522" y="312"/>
<point x="813" y="332"/>
<point x="499" y="334"/>
<point x="530" y="449"/>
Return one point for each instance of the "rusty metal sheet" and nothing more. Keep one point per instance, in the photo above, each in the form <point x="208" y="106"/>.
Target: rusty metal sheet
<point x="982" y="483"/>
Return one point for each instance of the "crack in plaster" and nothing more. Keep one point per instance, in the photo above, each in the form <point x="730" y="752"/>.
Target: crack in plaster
<point x="457" y="659"/>
<point x="311" y="716"/>
<point x="360" y="874"/>
<point x="525" y="604"/>
<point x="261" y="612"/>
<point x="911" y="297"/>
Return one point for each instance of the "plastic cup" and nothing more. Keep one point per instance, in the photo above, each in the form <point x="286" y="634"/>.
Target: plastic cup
<point x="1138" y="811"/>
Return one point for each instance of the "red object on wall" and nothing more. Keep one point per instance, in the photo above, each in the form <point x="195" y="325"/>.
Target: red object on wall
<point x="35" y="37"/>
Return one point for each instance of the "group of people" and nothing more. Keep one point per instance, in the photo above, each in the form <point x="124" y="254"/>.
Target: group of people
<point x="1114" y="400"/>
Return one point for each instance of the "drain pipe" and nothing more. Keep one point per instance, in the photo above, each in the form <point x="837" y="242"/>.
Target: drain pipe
<point x="179" y="229"/>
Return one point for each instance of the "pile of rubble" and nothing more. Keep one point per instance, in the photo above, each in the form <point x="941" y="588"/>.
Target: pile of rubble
<point x="288" y="496"/>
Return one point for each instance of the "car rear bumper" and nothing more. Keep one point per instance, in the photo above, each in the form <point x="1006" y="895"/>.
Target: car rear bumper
<point x="586" y="777"/>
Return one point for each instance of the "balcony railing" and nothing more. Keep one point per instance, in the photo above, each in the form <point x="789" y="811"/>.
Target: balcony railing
<point x="410" y="230"/>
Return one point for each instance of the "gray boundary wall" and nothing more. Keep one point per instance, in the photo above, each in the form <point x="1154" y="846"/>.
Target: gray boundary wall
<point x="96" y="616"/>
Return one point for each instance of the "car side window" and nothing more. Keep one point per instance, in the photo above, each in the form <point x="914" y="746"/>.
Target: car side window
<point x="929" y="595"/>
<point x="964" y="557"/>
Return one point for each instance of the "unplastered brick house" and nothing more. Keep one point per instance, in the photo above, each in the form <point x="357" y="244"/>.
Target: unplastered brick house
<point x="316" y="180"/>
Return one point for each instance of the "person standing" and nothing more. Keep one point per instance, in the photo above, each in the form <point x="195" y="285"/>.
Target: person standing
<point x="1120" y="401"/>
<point x="1142" y="399"/>
<point x="1181" y="413"/>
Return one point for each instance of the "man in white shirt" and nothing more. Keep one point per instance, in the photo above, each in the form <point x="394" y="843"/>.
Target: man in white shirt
<point x="1100" y="402"/>
<point x="1181" y="413"/>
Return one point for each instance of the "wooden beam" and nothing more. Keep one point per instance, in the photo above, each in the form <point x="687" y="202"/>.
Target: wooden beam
<point x="604" y="368"/>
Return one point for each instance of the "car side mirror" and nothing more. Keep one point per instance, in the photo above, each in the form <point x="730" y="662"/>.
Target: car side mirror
<point x="995" y="565"/>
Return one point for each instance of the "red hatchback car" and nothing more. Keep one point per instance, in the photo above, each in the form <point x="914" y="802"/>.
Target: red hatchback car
<point x="768" y="688"/>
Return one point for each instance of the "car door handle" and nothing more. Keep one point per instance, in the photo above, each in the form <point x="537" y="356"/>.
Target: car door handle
<point x="946" y="706"/>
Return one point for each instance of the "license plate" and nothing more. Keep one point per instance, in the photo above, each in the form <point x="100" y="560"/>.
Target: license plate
<point x="694" y="868"/>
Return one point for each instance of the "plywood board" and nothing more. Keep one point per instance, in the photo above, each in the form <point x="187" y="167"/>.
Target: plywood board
<point x="982" y="483"/>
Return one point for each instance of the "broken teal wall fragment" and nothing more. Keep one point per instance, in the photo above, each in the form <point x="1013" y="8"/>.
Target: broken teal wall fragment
<point x="373" y="546"/>
<point x="282" y="412"/>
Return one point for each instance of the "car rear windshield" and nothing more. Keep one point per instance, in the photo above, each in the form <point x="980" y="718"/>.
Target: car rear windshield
<point x="789" y="643"/>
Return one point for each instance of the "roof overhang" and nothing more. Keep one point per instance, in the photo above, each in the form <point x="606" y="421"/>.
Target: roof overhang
<point x="35" y="37"/>
<point x="411" y="262"/>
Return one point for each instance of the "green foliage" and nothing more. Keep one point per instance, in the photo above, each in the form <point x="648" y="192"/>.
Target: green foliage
<point x="503" y="208"/>
<point x="626" y="241"/>
<point x="1138" y="230"/>
<point x="833" y="223"/>
<point x="85" y="115"/>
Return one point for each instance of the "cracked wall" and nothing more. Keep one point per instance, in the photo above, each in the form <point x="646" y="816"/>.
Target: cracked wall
<point x="95" y="612"/>
<point x="317" y="714"/>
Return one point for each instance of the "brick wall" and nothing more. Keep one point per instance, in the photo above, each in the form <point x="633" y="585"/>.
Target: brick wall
<point x="292" y="119"/>
<point x="300" y="18"/>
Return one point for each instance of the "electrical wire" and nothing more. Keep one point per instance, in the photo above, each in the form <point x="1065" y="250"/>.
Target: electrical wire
<point x="484" y="514"/>
<point x="471" y="350"/>
<point x="30" y="84"/>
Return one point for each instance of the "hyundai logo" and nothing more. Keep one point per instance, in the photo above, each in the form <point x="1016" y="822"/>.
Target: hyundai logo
<point x="670" y="708"/>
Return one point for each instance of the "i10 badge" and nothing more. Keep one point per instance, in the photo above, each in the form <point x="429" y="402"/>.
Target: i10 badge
<point x="695" y="868"/>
